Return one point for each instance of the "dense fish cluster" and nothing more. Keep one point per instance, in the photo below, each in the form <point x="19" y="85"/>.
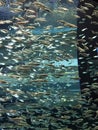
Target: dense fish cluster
<point x="32" y="57"/>
<point x="35" y="84"/>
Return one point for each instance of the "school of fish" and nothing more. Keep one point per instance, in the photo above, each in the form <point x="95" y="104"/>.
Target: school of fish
<point x="30" y="63"/>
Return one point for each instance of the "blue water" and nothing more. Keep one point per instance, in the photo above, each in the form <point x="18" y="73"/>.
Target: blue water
<point x="53" y="30"/>
<point x="70" y="62"/>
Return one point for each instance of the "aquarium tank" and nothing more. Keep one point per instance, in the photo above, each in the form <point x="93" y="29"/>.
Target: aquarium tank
<point x="48" y="65"/>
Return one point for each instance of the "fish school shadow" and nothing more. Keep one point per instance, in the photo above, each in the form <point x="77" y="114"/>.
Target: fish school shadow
<point x="87" y="28"/>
